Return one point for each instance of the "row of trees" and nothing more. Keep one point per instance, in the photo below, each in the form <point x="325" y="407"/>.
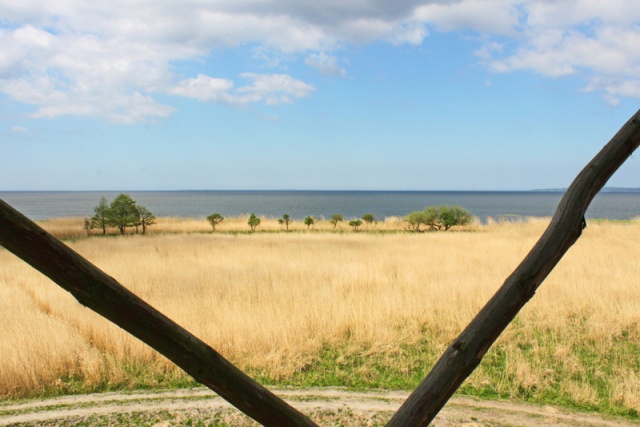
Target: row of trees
<point x="124" y="212"/>
<point x="434" y="217"/>
<point x="368" y="218"/>
<point x="121" y="213"/>
<point x="254" y="221"/>
<point x="310" y="221"/>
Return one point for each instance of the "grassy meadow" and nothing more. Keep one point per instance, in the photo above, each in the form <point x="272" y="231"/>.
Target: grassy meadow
<point x="336" y="308"/>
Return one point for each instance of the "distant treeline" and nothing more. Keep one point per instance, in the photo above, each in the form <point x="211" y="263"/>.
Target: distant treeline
<point x="435" y="218"/>
<point x="124" y="212"/>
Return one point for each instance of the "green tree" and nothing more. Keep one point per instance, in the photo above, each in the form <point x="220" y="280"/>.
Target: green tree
<point x="100" y="219"/>
<point x="355" y="224"/>
<point x="88" y="225"/>
<point x="454" y="215"/>
<point x="309" y="222"/>
<point x="416" y="219"/>
<point x="335" y="219"/>
<point x="253" y="222"/>
<point x="215" y="219"/>
<point x="433" y="217"/>
<point x="123" y="213"/>
<point x="145" y="218"/>
<point x="368" y="218"/>
<point x="286" y="219"/>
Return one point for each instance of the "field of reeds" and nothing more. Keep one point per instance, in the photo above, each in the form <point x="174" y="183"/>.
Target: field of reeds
<point x="329" y="308"/>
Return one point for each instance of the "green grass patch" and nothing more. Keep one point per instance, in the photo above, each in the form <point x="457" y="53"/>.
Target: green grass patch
<point x="537" y="366"/>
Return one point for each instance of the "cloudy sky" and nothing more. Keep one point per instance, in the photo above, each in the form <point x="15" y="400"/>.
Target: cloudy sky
<point x="301" y="94"/>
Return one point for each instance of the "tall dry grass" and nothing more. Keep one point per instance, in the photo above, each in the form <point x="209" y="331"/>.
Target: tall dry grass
<point x="273" y="302"/>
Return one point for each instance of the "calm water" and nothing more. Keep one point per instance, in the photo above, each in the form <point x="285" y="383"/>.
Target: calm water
<point x="298" y="204"/>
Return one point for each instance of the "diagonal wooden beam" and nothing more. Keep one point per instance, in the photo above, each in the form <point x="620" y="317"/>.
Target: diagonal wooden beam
<point x="468" y="349"/>
<point x="104" y="295"/>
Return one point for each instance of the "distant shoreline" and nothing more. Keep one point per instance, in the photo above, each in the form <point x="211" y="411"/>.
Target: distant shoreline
<point x="604" y="190"/>
<point x="249" y="191"/>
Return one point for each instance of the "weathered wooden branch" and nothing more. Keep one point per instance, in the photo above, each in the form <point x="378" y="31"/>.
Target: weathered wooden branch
<point x="468" y="349"/>
<point x="104" y="295"/>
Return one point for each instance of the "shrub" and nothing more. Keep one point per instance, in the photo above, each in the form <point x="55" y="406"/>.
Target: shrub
<point x="355" y="224"/>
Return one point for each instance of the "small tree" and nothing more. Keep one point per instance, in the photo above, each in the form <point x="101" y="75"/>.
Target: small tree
<point x="123" y="212"/>
<point x="101" y="217"/>
<point x="215" y="219"/>
<point x="253" y="222"/>
<point x="88" y="225"/>
<point x="368" y="218"/>
<point x="286" y="219"/>
<point x="416" y="218"/>
<point x="145" y="218"/>
<point x="335" y="219"/>
<point x="309" y="222"/>
<point x="355" y="224"/>
<point x="454" y="215"/>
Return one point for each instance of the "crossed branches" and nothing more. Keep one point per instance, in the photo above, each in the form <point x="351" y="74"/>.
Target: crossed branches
<point x="101" y="293"/>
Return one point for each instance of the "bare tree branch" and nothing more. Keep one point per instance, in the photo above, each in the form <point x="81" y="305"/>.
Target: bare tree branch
<point x="468" y="349"/>
<point x="104" y="295"/>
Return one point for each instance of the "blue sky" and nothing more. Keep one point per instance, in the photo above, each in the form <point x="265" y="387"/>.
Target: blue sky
<point x="282" y="94"/>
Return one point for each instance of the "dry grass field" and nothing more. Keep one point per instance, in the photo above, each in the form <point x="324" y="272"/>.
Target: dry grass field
<point x="337" y="308"/>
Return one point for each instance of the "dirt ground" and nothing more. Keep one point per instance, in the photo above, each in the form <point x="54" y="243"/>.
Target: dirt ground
<point x="327" y="406"/>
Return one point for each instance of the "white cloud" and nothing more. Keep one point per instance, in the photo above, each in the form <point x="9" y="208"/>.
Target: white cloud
<point x="567" y="13"/>
<point x="411" y="32"/>
<point x="18" y="129"/>
<point x="21" y="48"/>
<point x="273" y="89"/>
<point x="203" y="88"/>
<point x="136" y="107"/>
<point x="325" y="64"/>
<point x="489" y="16"/>
<point x="553" y="52"/>
<point x="594" y="40"/>
<point x="488" y="50"/>
<point x="112" y="59"/>
<point x="614" y="89"/>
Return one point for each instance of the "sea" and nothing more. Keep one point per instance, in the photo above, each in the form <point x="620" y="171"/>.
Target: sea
<point x="321" y="204"/>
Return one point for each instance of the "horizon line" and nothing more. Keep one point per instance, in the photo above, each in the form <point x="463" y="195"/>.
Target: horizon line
<point x="282" y="190"/>
<point x="548" y="190"/>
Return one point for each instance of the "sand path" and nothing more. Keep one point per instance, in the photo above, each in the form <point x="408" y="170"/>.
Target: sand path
<point x="460" y="411"/>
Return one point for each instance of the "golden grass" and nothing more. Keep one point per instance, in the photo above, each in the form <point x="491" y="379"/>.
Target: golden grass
<point x="273" y="301"/>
